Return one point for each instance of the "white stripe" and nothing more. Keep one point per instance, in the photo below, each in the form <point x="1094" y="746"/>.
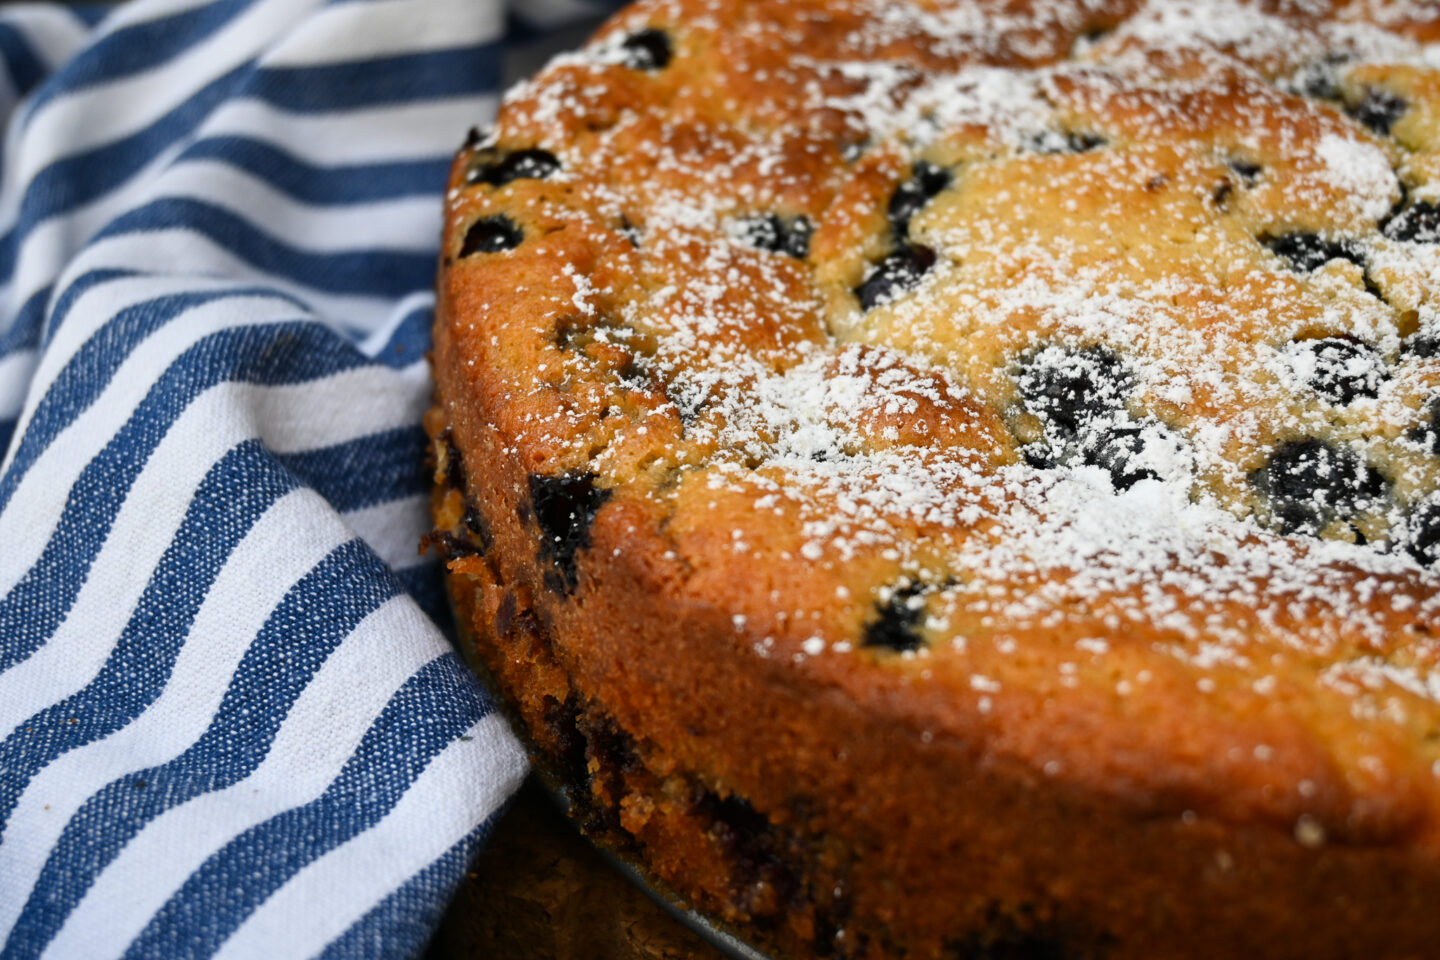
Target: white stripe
<point x="288" y="540"/>
<point x="36" y="506"/>
<point x="88" y="312"/>
<point x="15" y="370"/>
<point x="287" y="418"/>
<point x="54" y="33"/>
<point x="465" y="783"/>
<point x="393" y="530"/>
<point x="366" y="135"/>
<point x="410" y="224"/>
<point x="89" y="117"/>
<point x="318" y="736"/>
<point x="145" y="11"/>
<point x="337" y="409"/>
<point x="385" y="28"/>
<point x="293" y="417"/>
<point x="50" y="243"/>
<point x="376" y="341"/>
<point x="193" y="255"/>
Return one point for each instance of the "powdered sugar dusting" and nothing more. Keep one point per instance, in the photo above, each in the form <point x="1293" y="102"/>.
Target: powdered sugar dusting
<point x="1085" y="384"/>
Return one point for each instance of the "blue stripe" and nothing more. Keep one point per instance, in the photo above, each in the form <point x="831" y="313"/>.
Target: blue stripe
<point x="313" y="619"/>
<point x="433" y="709"/>
<point x="90" y="14"/>
<point x="320" y="185"/>
<point x="24" y="65"/>
<point x="274" y="354"/>
<point x="86" y="375"/>
<point x="410" y="339"/>
<point x="401" y="924"/>
<point x="80" y="178"/>
<point x="380" y="273"/>
<point x="370" y="470"/>
<point x="235" y="493"/>
<point x="26" y="329"/>
<point x="407" y="78"/>
<point x="424" y="584"/>
<point x="7" y="430"/>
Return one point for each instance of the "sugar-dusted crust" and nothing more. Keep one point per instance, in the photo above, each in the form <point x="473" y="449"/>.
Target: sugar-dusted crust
<point x="960" y="477"/>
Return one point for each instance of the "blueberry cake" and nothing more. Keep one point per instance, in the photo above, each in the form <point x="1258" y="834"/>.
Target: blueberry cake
<point x="961" y="478"/>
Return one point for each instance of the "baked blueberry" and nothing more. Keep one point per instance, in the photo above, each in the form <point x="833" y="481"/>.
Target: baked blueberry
<point x="1428" y="434"/>
<point x="533" y="164"/>
<point x="1423" y="541"/>
<point x="1309" y="483"/>
<point x="475" y="522"/>
<point x="1083" y="141"/>
<point x="1318" y="78"/>
<point x="1065" y="141"/>
<point x="895" y="275"/>
<point x="1379" y="110"/>
<point x="491" y="235"/>
<point x="647" y="49"/>
<point x="1422" y="344"/>
<point x="779" y="234"/>
<point x="1344" y="369"/>
<point x="1417" y="223"/>
<point x="926" y="180"/>
<point x="1068" y="388"/>
<point x="897" y="622"/>
<point x="1118" y="449"/>
<point x="1246" y="170"/>
<point x="1306" y="251"/>
<point x="564" y="508"/>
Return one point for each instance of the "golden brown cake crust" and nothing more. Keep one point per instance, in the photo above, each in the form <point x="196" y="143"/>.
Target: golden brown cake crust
<point x="940" y="478"/>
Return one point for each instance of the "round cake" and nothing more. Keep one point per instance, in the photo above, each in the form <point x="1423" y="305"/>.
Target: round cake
<point x="961" y="478"/>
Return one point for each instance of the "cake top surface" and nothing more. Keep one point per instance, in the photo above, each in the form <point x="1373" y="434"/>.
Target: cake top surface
<point x="1091" y="337"/>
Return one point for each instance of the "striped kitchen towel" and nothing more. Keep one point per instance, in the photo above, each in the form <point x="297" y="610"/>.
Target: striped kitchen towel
<point x="230" y="723"/>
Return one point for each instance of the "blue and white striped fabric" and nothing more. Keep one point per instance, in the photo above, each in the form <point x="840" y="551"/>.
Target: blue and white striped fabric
<point x="229" y="722"/>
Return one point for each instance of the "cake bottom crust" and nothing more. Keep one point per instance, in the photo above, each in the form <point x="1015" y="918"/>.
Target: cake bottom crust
<point x="816" y="828"/>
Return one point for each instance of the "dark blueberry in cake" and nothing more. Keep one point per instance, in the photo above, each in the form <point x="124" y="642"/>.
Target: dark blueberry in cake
<point x="472" y="137"/>
<point x="1428" y="434"/>
<point x="1083" y="141"/>
<point x="1118" y="450"/>
<point x="1065" y="141"/>
<point x="475" y="522"/>
<point x="779" y="234"/>
<point x="1417" y="223"/>
<point x="1318" y="78"/>
<point x="1067" y="388"/>
<point x="1424" y="534"/>
<point x="895" y="275"/>
<point x="564" y="508"/>
<point x="897" y="624"/>
<point x="1344" y="369"/>
<point x="1247" y="171"/>
<point x="491" y="235"/>
<point x="1423" y="344"/>
<point x="926" y="180"/>
<point x="1379" y="110"/>
<point x="1222" y="194"/>
<point x="1307" y="251"/>
<point x="1039" y="456"/>
<point x="647" y="50"/>
<point x="1309" y="482"/>
<point x="520" y="165"/>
